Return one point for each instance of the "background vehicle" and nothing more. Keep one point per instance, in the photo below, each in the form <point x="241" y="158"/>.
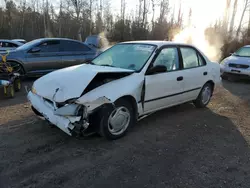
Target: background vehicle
<point x="146" y="76"/>
<point x="97" y="41"/>
<point x="44" y="55"/>
<point x="20" y="40"/>
<point x="9" y="45"/>
<point x="237" y="65"/>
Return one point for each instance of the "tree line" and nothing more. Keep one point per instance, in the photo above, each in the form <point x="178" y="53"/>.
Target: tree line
<point x="76" y="19"/>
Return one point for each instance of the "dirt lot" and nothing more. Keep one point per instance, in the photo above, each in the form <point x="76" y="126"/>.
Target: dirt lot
<point x="178" y="147"/>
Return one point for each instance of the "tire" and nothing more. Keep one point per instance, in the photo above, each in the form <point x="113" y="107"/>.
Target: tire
<point x="204" y="96"/>
<point x="110" y="132"/>
<point x="17" y="84"/>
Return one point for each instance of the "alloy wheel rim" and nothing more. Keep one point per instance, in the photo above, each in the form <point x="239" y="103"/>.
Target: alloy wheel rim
<point x="206" y="95"/>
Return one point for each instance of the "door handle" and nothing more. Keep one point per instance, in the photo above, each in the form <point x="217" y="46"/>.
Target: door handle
<point x="204" y="73"/>
<point x="180" y="78"/>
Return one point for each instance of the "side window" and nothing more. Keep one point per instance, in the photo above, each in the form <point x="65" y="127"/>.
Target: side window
<point x="201" y="60"/>
<point x="169" y="58"/>
<point x="7" y="45"/>
<point x="71" y="46"/>
<point x="190" y="58"/>
<point x="50" y="46"/>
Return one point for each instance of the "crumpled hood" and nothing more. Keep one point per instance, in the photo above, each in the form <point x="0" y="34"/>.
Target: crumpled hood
<point x="238" y="60"/>
<point x="69" y="83"/>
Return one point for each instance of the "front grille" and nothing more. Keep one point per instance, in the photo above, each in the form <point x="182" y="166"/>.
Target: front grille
<point x="238" y="66"/>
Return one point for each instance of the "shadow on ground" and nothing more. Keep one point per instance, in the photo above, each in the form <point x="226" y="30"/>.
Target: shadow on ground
<point x="178" y="147"/>
<point x="239" y="88"/>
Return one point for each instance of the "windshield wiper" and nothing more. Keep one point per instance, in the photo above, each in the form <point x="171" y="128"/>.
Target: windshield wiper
<point x="90" y="62"/>
<point x="107" y="65"/>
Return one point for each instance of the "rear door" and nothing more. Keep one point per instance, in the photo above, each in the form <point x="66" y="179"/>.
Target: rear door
<point x="75" y="53"/>
<point x="47" y="59"/>
<point x="195" y="72"/>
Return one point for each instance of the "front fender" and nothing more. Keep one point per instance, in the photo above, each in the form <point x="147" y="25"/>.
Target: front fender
<point x="129" y="85"/>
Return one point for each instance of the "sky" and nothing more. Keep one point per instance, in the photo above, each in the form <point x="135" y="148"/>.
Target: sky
<point x="204" y="11"/>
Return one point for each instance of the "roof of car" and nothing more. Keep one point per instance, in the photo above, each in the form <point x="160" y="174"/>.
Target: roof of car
<point x="159" y="43"/>
<point x="58" y="39"/>
<point x="248" y="46"/>
<point x="11" y="41"/>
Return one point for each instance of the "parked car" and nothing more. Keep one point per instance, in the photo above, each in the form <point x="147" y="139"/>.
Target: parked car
<point x="6" y="45"/>
<point x="44" y="55"/>
<point x="236" y="65"/>
<point x="20" y="40"/>
<point x="96" y="41"/>
<point x="122" y="85"/>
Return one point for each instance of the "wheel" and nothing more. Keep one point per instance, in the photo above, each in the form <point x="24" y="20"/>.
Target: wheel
<point x="17" y="84"/>
<point x="204" y="97"/>
<point x="116" y="122"/>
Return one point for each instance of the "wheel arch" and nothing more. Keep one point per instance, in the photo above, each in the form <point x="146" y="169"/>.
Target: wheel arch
<point x="132" y="100"/>
<point x="16" y="61"/>
<point x="211" y="82"/>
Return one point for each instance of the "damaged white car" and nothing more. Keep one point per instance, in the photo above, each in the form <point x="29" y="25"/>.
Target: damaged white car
<point x="122" y="85"/>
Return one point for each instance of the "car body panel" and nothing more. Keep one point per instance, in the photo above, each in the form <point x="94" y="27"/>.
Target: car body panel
<point x="39" y="63"/>
<point x="236" y="65"/>
<point x="149" y="92"/>
<point x="66" y="83"/>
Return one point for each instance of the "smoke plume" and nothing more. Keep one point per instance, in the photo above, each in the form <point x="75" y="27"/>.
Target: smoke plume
<point x="209" y="43"/>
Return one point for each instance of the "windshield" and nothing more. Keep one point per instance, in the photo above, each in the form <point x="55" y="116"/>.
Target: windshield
<point x="127" y="56"/>
<point x="28" y="45"/>
<point x="244" y="52"/>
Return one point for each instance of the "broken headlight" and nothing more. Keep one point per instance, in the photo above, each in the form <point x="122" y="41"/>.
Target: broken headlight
<point x="68" y="110"/>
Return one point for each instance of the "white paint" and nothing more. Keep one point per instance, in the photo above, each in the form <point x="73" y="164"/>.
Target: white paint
<point x="48" y="112"/>
<point x="73" y="80"/>
<point x="70" y="81"/>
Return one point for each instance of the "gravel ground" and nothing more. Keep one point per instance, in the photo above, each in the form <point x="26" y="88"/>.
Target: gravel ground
<point x="178" y="147"/>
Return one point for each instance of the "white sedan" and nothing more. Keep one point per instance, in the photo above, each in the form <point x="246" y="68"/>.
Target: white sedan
<point x="122" y="85"/>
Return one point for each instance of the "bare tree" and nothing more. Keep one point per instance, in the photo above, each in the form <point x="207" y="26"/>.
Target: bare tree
<point x="164" y="8"/>
<point x="153" y="16"/>
<point x="180" y="14"/>
<point x="226" y="15"/>
<point x="78" y="7"/>
<point x="189" y="17"/>
<point x="144" y="13"/>
<point x="90" y="16"/>
<point x="233" y="17"/>
<point x="123" y="7"/>
<point x="246" y="5"/>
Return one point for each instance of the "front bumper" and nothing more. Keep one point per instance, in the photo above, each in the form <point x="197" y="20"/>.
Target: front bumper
<point x="230" y="71"/>
<point x="45" y="109"/>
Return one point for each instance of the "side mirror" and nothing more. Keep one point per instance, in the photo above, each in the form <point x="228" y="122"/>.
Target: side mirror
<point x="156" y="69"/>
<point x="35" y="49"/>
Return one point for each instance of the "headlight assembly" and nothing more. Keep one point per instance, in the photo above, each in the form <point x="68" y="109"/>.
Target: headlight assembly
<point x="33" y="90"/>
<point x="224" y="62"/>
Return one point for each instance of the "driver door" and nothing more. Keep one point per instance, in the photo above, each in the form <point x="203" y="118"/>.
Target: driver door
<point x="47" y="59"/>
<point x="164" y="89"/>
